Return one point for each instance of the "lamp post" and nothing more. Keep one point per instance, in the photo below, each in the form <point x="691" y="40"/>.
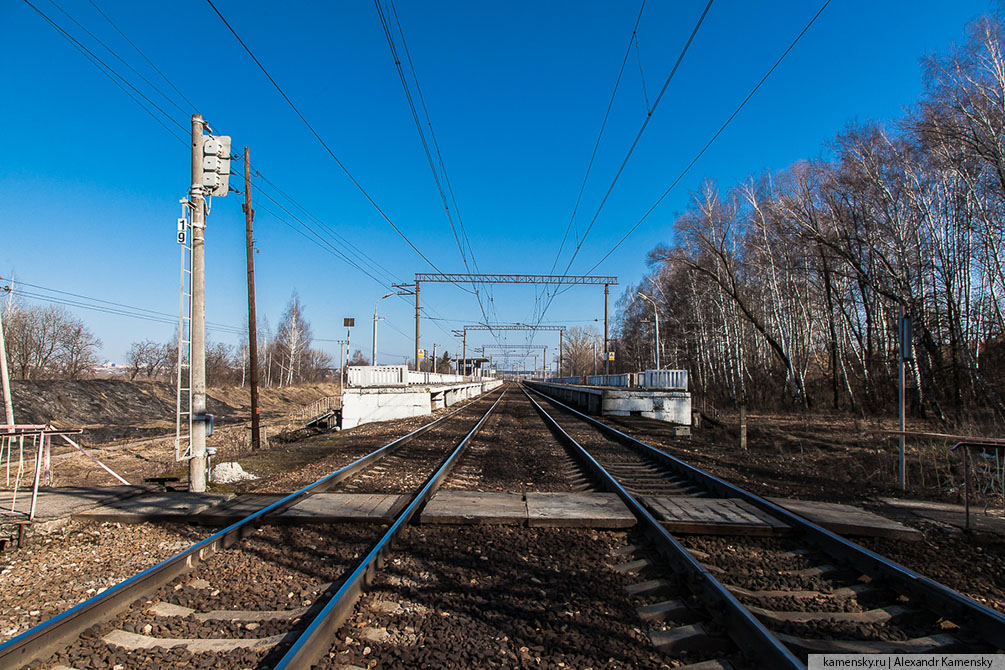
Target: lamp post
<point x="373" y="353"/>
<point x="656" y="316"/>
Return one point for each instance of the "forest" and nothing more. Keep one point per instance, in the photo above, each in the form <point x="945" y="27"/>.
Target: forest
<point x="786" y="290"/>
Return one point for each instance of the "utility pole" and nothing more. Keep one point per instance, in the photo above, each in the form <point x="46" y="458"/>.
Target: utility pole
<point x="249" y="218"/>
<point x="560" y="351"/>
<point x="607" y="356"/>
<point x="8" y="402"/>
<point x="464" y="352"/>
<point x="434" y="356"/>
<point x="341" y="364"/>
<point x="594" y="358"/>
<point x="373" y="353"/>
<point x="417" y="325"/>
<point x="197" y="463"/>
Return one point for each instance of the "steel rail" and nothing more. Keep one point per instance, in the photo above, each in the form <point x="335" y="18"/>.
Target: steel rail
<point x="49" y="636"/>
<point x="745" y="629"/>
<point x="941" y="599"/>
<point x="317" y="638"/>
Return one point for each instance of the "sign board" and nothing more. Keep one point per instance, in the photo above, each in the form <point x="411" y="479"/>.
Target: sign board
<point x="181" y="231"/>
<point x="348" y="323"/>
<point x="422" y="353"/>
<point x="906" y="341"/>
<point x="610" y="355"/>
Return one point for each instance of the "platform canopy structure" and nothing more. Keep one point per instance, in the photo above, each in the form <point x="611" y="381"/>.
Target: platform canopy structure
<point x="466" y="278"/>
<point x="494" y="327"/>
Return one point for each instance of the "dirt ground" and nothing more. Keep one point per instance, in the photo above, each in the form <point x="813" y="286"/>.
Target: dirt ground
<point x="110" y="410"/>
<point x="129" y="426"/>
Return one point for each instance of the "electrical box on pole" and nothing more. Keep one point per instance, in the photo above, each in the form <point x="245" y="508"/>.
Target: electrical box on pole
<point x="216" y="165"/>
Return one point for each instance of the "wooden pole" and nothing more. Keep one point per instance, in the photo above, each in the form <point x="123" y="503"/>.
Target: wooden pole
<point x="8" y="402"/>
<point x="249" y="217"/>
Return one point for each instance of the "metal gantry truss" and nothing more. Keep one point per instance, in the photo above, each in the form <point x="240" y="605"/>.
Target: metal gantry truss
<point x="514" y="279"/>
<point x="463" y="334"/>
<point x="461" y="278"/>
<point x="522" y="348"/>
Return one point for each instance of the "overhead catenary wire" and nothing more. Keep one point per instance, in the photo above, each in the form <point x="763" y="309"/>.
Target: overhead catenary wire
<point x="714" y="137"/>
<point x="458" y="231"/>
<point x="132" y="92"/>
<point x="638" y="136"/>
<point x="596" y="147"/>
<point x="323" y="143"/>
<point x="631" y="149"/>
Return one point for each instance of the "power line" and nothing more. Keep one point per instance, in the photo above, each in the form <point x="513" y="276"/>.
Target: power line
<point x="322" y="141"/>
<point x="713" y="139"/>
<point x="596" y="144"/>
<point x="638" y="136"/>
<point x="425" y="144"/>
<point x="116" y="55"/>
<point x="108" y="71"/>
<point x="149" y="62"/>
<point x="631" y="149"/>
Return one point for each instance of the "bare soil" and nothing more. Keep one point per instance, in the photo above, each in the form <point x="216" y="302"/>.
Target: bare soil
<point x="115" y="409"/>
<point x="130" y="425"/>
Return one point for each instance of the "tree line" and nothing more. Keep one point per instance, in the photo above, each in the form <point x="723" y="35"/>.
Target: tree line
<point x="786" y="289"/>
<point x="286" y="356"/>
<point x="48" y="342"/>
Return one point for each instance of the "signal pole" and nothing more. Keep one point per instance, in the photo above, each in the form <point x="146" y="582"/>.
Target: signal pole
<point x="607" y="344"/>
<point x="249" y="217"/>
<point x="197" y="463"/>
<point x="417" y="308"/>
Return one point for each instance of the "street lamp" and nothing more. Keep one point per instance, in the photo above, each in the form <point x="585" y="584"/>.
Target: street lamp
<point x="656" y="315"/>
<point x="373" y="356"/>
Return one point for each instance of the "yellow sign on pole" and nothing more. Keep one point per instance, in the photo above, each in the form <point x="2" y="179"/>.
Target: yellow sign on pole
<point x="422" y="353"/>
<point x="610" y="355"/>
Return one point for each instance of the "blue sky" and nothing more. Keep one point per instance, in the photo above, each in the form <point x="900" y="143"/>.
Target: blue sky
<point x="516" y="91"/>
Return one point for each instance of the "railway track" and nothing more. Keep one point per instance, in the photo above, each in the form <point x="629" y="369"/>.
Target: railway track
<point x="482" y="596"/>
<point x="810" y="591"/>
<point x="200" y="618"/>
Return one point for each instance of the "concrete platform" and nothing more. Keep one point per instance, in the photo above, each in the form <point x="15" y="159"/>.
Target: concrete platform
<point x="169" y="506"/>
<point x="949" y="514"/>
<point x="663" y="405"/>
<point x="62" y="502"/>
<point x="850" y="520"/>
<point x="712" y="516"/>
<point x="577" y="510"/>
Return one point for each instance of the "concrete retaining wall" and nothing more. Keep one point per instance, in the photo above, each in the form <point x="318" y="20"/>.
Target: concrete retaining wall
<point x="670" y="406"/>
<point x="366" y="405"/>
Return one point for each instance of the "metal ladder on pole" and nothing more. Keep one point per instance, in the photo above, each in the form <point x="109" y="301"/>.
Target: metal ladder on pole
<point x="183" y="406"/>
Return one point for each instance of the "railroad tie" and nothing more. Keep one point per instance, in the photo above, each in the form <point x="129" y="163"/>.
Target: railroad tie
<point x="693" y="637"/>
<point x="135" y="641"/>
<point x="942" y="643"/>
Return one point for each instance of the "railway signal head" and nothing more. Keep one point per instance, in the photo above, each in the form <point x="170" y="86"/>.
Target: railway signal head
<point x="216" y="165"/>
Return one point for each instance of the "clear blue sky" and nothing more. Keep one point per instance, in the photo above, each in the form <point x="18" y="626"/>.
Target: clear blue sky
<point x="516" y="91"/>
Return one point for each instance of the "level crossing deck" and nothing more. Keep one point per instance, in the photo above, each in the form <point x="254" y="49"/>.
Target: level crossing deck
<point x="555" y="509"/>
